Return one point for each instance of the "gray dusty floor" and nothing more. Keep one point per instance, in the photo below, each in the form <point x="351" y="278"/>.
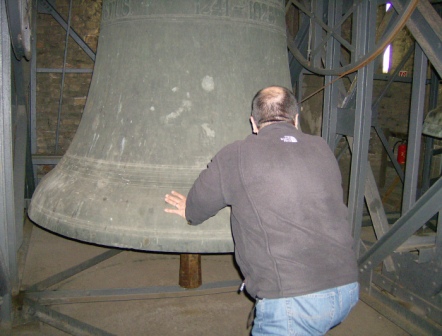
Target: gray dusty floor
<point x="205" y="313"/>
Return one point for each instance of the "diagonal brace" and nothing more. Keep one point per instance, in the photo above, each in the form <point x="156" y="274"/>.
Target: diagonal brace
<point x="408" y="224"/>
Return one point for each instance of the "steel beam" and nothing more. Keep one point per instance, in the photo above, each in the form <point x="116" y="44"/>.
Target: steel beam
<point x="20" y="146"/>
<point x="300" y="41"/>
<point x="54" y="70"/>
<point x="63" y="322"/>
<point x="7" y="210"/>
<point x="33" y="83"/>
<point x="46" y="159"/>
<point x="426" y="26"/>
<point x="415" y="129"/>
<point x="127" y="294"/>
<point x="74" y="270"/>
<point x="365" y="39"/>
<point x="429" y="141"/>
<point x="424" y="209"/>
<point x="331" y="91"/>
<point x="318" y="8"/>
<point x="63" y="73"/>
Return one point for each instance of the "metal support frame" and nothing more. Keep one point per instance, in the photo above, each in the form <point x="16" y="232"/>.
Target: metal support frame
<point x="24" y="184"/>
<point x="354" y="116"/>
<point x="319" y="8"/>
<point x="15" y="150"/>
<point x="8" y="248"/>
<point x="332" y="60"/>
<point x="63" y="73"/>
<point x="374" y="107"/>
<point x="429" y="141"/>
<point x="33" y="84"/>
<point x="425" y="26"/>
<point x="300" y="42"/>
<point x="366" y="17"/>
<point x="61" y="321"/>
<point x="415" y="129"/>
<point x="405" y="226"/>
<point x="36" y="298"/>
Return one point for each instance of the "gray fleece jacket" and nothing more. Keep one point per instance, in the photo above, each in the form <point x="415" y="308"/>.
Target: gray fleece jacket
<point x="289" y="222"/>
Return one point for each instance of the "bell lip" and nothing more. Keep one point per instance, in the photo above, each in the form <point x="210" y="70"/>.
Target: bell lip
<point x="212" y="242"/>
<point x="213" y="236"/>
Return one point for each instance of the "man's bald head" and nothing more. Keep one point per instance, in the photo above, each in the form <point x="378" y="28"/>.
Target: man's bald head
<point x="273" y="104"/>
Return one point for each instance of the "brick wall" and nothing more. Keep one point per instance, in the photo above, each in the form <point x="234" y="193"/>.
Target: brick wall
<point x="85" y="20"/>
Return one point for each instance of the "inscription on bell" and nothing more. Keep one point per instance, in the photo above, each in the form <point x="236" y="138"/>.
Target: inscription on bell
<point x="264" y="12"/>
<point x="115" y="9"/>
<point x="253" y="10"/>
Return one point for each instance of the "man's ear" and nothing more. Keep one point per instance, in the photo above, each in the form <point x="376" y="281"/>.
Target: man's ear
<point x="255" y="128"/>
<point x="297" y="121"/>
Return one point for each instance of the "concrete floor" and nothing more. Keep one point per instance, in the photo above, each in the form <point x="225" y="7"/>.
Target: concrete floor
<point x="213" y="312"/>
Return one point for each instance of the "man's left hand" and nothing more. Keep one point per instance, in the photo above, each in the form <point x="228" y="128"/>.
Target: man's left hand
<point x="178" y="201"/>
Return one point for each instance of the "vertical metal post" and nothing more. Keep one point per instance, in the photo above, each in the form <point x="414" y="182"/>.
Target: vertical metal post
<point x="332" y="58"/>
<point x="318" y="11"/>
<point x="63" y="73"/>
<point x="7" y="210"/>
<point x="365" y="38"/>
<point x="415" y="129"/>
<point x="33" y="86"/>
<point x="20" y="142"/>
<point x="429" y="141"/>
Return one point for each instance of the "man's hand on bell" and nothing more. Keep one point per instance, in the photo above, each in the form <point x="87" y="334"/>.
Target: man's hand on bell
<point x="178" y="201"/>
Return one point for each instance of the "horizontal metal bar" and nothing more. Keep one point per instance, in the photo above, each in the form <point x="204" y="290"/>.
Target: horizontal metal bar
<point x="437" y="151"/>
<point x="46" y="159"/>
<point x="68" y="70"/>
<point x="126" y="294"/>
<point x="63" y="322"/>
<point x="73" y="270"/>
<point x="396" y="79"/>
<point x="417" y="242"/>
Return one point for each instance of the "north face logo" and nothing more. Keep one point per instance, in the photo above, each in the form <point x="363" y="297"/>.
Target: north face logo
<point x="288" y="138"/>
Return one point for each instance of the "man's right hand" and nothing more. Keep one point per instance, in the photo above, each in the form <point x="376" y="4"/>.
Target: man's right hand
<point x="178" y="201"/>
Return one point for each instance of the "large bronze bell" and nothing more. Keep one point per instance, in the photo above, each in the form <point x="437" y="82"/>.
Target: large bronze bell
<point x="172" y="84"/>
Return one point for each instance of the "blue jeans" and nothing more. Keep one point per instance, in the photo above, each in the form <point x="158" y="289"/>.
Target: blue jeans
<point x="311" y="314"/>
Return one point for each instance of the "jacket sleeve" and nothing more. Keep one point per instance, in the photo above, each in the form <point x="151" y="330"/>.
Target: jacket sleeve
<point x="205" y="198"/>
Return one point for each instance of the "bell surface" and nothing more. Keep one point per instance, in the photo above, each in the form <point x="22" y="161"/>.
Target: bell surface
<point x="173" y="83"/>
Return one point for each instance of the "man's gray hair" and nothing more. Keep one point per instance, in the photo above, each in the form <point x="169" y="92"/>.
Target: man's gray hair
<point x="273" y="104"/>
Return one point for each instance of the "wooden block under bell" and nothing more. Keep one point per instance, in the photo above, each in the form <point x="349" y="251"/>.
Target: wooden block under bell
<point x="190" y="271"/>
